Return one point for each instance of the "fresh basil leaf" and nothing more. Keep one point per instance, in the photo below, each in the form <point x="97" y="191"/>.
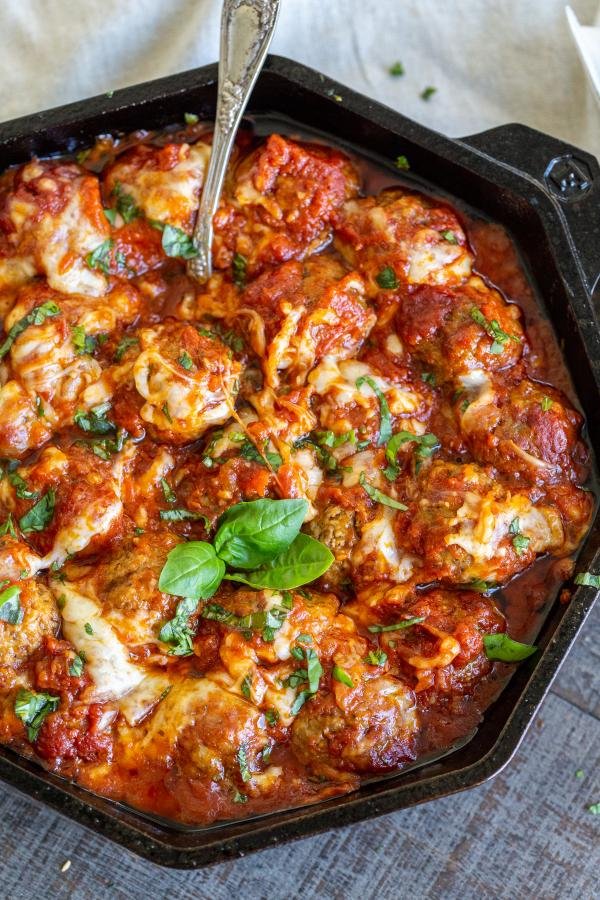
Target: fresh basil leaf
<point x="299" y="702"/>
<point x="303" y="561"/>
<point x="32" y="708"/>
<point x="493" y="329"/>
<point x="238" y="270"/>
<point x="378" y="496"/>
<point x="40" y="515"/>
<point x="385" y="418"/>
<point x="192" y="570"/>
<point x="37" y="316"/>
<point x="20" y="486"/>
<point x="177" y="632"/>
<point x="176" y="242"/>
<point x="504" y="648"/>
<point x="314" y="669"/>
<point x="168" y="492"/>
<point x="386" y="279"/>
<point x="83" y="343"/>
<point x="397" y="626"/>
<point x="11" y="610"/>
<point x="250" y="534"/>
<point x="76" y="666"/>
<point x="185" y="361"/>
<point x="587" y="579"/>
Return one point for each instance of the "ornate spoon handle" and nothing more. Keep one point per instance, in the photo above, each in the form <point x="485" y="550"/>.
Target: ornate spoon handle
<point x="247" y="27"/>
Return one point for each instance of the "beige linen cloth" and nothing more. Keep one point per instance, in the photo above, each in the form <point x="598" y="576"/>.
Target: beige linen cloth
<point x="492" y="61"/>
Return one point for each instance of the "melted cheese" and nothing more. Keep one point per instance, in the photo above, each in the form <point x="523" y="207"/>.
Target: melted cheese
<point x="378" y="544"/>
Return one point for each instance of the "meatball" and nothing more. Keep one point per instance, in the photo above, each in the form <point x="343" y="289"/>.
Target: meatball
<point x="163" y="183"/>
<point x="402" y="237"/>
<point x="301" y="312"/>
<point x="525" y="429"/>
<point x="376" y="733"/>
<point x="280" y="202"/>
<point x="188" y="381"/>
<point x="54" y="220"/>
<point x="467" y="527"/>
<point x="40" y="619"/>
<point x="334" y="527"/>
<point x="458" y="330"/>
<point x="21" y="427"/>
<point x="444" y="652"/>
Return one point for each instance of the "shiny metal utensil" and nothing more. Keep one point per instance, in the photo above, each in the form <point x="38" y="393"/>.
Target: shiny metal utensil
<point x="247" y="27"/>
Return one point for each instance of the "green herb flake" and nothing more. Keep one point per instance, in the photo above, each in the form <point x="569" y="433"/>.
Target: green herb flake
<point x="402" y="163"/>
<point x="181" y="515"/>
<point x="579" y="773"/>
<point x="587" y="579"/>
<point x="385" y="418"/>
<point x="39" y="407"/>
<point x="8" y="527"/>
<point x="32" y="708"/>
<point x="376" y="658"/>
<point x="111" y="215"/>
<point x="40" y="515"/>
<point x="176" y="632"/>
<point x="546" y="403"/>
<point x="272" y="717"/>
<point x="493" y="330"/>
<point x="339" y="674"/>
<point x="76" y="665"/>
<point x="397" y="626"/>
<point x="126" y="205"/>
<point x="100" y="257"/>
<point x="239" y="266"/>
<point x="242" y="761"/>
<point x="123" y="346"/>
<point x="37" y="316"/>
<point x="503" y="648"/>
<point x="83" y="343"/>
<point x="427" y="93"/>
<point x="238" y="797"/>
<point x="168" y="492"/>
<point x="594" y="808"/>
<point x="378" y="496"/>
<point x="428" y="378"/>
<point x="11" y="610"/>
<point x="88" y="629"/>
<point x="268" y="458"/>
<point x="386" y="279"/>
<point x="95" y="421"/>
<point x="176" y="243"/>
<point x="396" y="70"/>
<point x="166" y="413"/>
<point x="449" y="236"/>
<point x="246" y="687"/>
<point x="190" y="118"/>
<point x="185" y="361"/>
<point x="20" y="486"/>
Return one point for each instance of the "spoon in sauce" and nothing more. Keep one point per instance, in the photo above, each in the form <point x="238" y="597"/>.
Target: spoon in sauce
<point x="247" y="27"/>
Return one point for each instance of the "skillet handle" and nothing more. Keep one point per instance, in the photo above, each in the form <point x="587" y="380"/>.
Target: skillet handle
<point x="570" y="176"/>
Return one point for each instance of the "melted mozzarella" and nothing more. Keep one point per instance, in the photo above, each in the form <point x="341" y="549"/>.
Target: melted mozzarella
<point x="378" y="542"/>
<point x="338" y="379"/>
<point x="107" y="660"/>
<point x="136" y="705"/>
<point x="432" y="260"/>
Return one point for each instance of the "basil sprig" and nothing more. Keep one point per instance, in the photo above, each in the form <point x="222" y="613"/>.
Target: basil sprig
<point x="263" y="538"/>
<point x="385" y="418"/>
<point x="40" y="515"/>
<point x="505" y="649"/>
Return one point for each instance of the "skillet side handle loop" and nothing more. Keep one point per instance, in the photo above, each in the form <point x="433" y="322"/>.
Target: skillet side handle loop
<point x="570" y="176"/>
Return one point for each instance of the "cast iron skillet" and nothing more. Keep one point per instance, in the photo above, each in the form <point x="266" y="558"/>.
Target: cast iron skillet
<point x="547" y="193"/>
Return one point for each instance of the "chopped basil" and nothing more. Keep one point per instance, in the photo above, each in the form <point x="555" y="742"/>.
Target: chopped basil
<point x="88" y="629"/>
<point x="83" y="343"/>
<point x="177" y="243"/>
<point x="238" y="797"/>
<point x="76" y="666"/>
<point x="376" y="658"/>
<point x="385" y="418"/>
<point x="95" y="421"/>
<point x="190" y="118"/>
<point x="579" y="773"/>
<point x="166" y="413"/>
<point x="39" y="407"/>
<point x="248" y="451"/>
<point x="105" y="447"/>
<point x="239" y="265"/>
<point x="40" y="515"/>
<point x="427" y="93"/>
<point x="342" y="676"/>
<point x="546" y="404"/>
<point x="396" y="69"/>
<point x="428" y="378"/>
<point x="176" y="631"/>
<point x="246" y="687"/>
<point x="402" y="163"/>
<point x="427" y="444"/>
<point x="520" y="541"/>
<point x="100" y="257"/>
<point x="37" y="316"/>
<point x="20" y="486"/>
<point x="587" y="579"/>
<point x="493" y="329"/>
<point x="7" y="527"/>
<point x="32" y="708"/>
<point x="397" y="626"/>
<point x="111" y="215"/>
<point x="505" y="649"/>
<point x="11" y="610"/>
<point x="126" y="205"/>
<point x="386" y="279"/>
<point x="449" y="236"/>
<point x="378" y="496"/>
<point x="181" y="515"/>
<point x="481" y="586"/>
<point x="594" y="808"/>
<point x="272" y="717"/>
<point x="123" y="346"/>
<point x="185" y="361"/>
<point x="168" y="492"/>
<point x="242" y="760"/>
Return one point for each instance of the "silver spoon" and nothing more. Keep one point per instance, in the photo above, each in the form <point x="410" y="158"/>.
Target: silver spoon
<point x="247" y="27"/>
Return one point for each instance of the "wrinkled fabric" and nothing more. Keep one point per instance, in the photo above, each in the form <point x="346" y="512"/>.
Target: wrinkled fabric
<point x="491" y="62"/>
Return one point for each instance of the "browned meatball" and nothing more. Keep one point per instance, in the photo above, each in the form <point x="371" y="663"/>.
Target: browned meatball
<point x="40" y="618"/>
<point x="334" y="527"/>
<point x="376" y="733"/>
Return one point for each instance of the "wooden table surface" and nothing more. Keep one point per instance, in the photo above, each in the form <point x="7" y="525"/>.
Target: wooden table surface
<point x="527" y="833"/>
